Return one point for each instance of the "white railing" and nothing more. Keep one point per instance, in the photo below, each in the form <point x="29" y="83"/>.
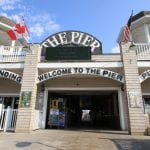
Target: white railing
<point x="3" y="119"/>
<point x="143" y="51"/>
<point x="12" y="54"/>
<point x="8" y="119"/>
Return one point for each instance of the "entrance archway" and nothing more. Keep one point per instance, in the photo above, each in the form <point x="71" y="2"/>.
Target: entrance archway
<point x="50" y="93"/>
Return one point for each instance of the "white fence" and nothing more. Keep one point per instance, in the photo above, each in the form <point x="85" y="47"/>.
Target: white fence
<point x="8" y="119"/>
<point x="143" y="51"/>
<point x="12" y="54"/>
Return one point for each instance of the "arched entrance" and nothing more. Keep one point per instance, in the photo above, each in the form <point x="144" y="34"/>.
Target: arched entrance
<point x="71" y="98"/>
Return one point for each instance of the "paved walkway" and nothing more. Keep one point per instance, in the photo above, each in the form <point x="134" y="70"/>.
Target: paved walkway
<point x="72" y="140"/>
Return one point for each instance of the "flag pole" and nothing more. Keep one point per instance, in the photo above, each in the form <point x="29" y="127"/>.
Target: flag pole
<point x="127" y="36"/>
<point x="13" y="42"/>
<point x="130" y="24"/>
<point x="29" y="43"/>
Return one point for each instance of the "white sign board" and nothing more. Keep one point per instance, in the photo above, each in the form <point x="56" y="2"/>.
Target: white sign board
<point x="80" y="71"/>
<point x="73" y="37"/>
<point x="135" y="99"/>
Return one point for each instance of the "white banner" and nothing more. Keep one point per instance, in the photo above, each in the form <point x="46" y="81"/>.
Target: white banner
<point x="10" y="75"/>
<point x="81" y="71"/>
<point x="145" y="75"/>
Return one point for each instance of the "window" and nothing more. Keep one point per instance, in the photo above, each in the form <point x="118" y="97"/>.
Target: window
<point x="147" y="105"/>
<point x="11" y="102"/>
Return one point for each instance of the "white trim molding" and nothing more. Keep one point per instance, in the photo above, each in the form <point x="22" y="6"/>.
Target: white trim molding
<point x="80" y="64"/>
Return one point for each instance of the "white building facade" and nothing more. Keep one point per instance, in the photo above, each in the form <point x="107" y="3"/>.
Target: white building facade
<point x="67" y="82"/>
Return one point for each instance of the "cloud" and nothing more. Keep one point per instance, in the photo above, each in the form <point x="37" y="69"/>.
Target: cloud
<point x="52" y="26"/>
<point x="116" y="49"/>
<point x="37" y="29"/>
<point x="43" y="24"/>
<point x="16" y="17"/>
<point x="40" y="24"/>
<point x="8" y="7"/>
<point x="9" y="4"/>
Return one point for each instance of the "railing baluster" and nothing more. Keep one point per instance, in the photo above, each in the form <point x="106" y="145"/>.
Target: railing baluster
<point x="2" y="119"/>
<point x="148" y="47"/>
<point x="11" y="54"/>
<point x="11" y="123"/>
<point x="143" y="51"/>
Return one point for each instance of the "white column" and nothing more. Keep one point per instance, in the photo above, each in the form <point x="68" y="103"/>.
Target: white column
<point x="1" y="105"/>
<point x="147" y="33"/>
<point x="121" y="110"/>
<point x="8" y="119"/>
<point x="45" y="108"/>
<point x="0" y="109"/>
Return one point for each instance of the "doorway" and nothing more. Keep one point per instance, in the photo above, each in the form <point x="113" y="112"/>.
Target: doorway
<point x="96" y="110"/>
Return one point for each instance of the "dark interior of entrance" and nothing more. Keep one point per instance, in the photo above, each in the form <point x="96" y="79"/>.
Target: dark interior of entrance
<point x="96" y="110"/>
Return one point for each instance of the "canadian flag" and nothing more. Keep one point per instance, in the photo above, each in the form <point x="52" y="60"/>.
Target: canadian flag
<point x="13" y="34"/>
<point x="18" y="32"/>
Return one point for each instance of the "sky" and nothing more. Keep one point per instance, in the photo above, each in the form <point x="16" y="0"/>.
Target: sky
<point x="100" y="18"/>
